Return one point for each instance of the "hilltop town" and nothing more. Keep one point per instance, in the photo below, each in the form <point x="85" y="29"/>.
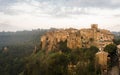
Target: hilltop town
<point x="77" y="38"/>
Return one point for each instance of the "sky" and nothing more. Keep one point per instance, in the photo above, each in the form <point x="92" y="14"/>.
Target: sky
<point x="33" y="14"/>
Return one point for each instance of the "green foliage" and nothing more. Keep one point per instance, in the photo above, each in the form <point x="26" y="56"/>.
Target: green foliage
<point x="117" y="38"/>
<point x="111" y="48"/>
<point x="56" y="63"/>
<point x="116" y="41"/>
<point x="85" y="61"/>
<point x="91" y="52"/>
<point x="20" y="45"/>
<point x="10" y="65"/>
<point x="49" y="64"/>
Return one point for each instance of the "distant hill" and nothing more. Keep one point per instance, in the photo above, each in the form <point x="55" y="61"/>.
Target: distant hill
<point x="21" y="37"/>
<point x="117" y="35"/>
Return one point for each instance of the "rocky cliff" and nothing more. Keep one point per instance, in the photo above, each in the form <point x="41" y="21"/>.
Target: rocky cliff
<point x="77" y="38"/>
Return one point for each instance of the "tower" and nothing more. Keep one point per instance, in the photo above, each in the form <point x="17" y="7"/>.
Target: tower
<point x="94" y="26"/>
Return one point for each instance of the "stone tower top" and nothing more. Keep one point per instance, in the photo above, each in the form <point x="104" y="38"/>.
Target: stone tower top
<point x="94" y="26"/>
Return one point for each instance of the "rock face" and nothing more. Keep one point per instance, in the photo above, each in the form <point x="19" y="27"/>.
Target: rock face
<point x="77" y="38"/>
<point x="101" y="61"/>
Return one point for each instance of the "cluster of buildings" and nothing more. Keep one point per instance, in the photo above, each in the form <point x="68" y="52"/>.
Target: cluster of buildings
<point x="77" y="38"/>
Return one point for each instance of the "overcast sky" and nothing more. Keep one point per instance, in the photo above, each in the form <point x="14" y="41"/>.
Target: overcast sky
<point x="33" y="14"/>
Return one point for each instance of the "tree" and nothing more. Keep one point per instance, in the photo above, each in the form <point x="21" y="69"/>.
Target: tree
<point x="111" y="49"/>
<point x="116" y="41"/>
<point x="86" y="62"/>
<point x="57" y="64"/>
<point x="47" y="64"/>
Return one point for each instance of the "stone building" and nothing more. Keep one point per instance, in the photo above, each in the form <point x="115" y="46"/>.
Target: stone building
<point x="101" y="62"/>
<point x="77" y="38"/>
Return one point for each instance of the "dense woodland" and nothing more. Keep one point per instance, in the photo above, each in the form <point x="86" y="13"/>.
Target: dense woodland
<point x="20" y="44"/>
<point x="19" y="58"/>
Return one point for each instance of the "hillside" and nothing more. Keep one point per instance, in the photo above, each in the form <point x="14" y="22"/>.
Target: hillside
<point x="15" y="47"/>
<point x="21" y="44"/>
<point x="21" y="37"/>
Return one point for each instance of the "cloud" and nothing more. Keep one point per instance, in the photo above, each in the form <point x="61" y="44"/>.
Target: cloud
<point x="5" y="26"/>
<point x="4" y="4"/>
<point x="84" y="3"/>
<point x="117" y="15"/>
<point x="2" y="25"/>
<point x="42" y="13"/>
<point x="115" y="27"/>
<point x="56" y="7"/>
